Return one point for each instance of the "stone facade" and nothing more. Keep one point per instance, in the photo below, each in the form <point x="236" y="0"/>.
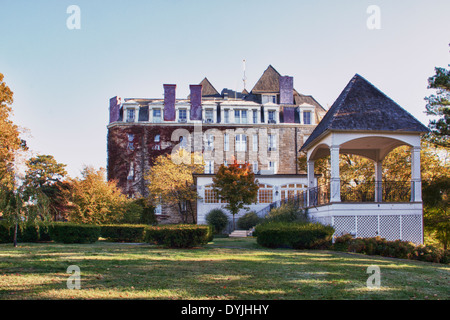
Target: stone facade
<point x="249" y="128"/>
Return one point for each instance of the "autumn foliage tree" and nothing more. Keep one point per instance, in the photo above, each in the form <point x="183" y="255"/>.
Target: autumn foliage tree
<point x="10" y="142"/>
<point x="92" y="199"/>
<point x="170" y="180"/>
<point x="236" y="185"/>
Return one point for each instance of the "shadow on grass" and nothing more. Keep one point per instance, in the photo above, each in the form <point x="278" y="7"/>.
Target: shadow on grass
<point x="225" y="271"/>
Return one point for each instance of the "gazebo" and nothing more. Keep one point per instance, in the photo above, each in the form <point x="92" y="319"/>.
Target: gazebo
<point x="364" y="121"/>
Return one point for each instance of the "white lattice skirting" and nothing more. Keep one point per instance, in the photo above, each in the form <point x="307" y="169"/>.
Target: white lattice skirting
<point x="394" y="226"/>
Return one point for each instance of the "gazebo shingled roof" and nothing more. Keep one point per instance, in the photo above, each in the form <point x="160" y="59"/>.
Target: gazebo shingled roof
<point x="363" y="107"/>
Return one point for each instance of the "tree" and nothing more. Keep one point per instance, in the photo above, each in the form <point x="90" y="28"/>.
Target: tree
<point x="18" y="213"/>
<point x="93" y="200"/>
<point x="170" y="181"/>
<point x="438" y="106"/>
<point x="45" y="174"/>
<point x="236" y="185"/>
<point x="10" y="142"/>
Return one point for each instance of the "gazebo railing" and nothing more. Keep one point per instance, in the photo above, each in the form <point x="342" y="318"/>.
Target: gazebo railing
<point x="368" y="191"/>
<point x="380" y="191"/>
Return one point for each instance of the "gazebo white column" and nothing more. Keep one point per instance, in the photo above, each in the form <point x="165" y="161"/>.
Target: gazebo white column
<point x="310" y="176"/>
<point x="416" y="181"/>
<point x="335" y="186"/>
<point x="378" y="181"/>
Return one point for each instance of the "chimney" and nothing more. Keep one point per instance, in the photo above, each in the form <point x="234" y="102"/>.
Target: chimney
<point x="286" y="90"/>
<point x="169" y="102"/>
<point x="114" y="109"/>
<point x="196" y="101"/>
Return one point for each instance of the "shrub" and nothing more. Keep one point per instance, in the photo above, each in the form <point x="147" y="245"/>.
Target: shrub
<point x="74" y="233"/>
<point x="123" y="233"/>
<point x="343" y="242"/>
<point x="294" y="235"/>
<point x="395" y="249"/>
<point x="178" y="236"/>
<point x="286" y="213"/>
<point x="248" y="220"/>
<point x="218" y="219"/>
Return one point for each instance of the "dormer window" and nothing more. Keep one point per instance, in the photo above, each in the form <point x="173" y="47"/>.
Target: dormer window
<point x="255" y="116"/>
<point x="240" y="116"/>
<point x="209" y="116"/>
<point x="156" y="115"/>
<point x="182" y="115"/>
<point x="131" y="113"/>
<point x="306" y="117"/>
<point x="271" y="117"/>
<point x="226" y="115"/>
<point x="269" y="98"/>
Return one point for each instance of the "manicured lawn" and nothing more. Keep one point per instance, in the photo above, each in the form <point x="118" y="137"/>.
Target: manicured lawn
<point x="224" y="269"/>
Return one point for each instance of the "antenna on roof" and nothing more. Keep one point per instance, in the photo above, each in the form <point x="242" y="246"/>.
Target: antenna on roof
<point x="244" y="79"/>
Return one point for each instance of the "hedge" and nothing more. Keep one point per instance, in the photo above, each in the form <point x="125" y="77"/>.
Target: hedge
<point x="394" y="249"/>
<point x="294" y="235"/>
<point x="66" y="232"/>
<point x="179" y="236"/>
<point x="123" y="233"/>
<point x="27" y="233"/>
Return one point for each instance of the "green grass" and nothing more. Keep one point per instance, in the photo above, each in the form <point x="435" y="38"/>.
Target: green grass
<point x="226" y="268"/>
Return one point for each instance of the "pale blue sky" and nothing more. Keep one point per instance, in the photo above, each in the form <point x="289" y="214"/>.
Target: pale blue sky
<point x="62" y="79"/>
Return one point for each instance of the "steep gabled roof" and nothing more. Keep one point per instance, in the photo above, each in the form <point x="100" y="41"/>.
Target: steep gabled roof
<point x="208" y="91"/>
<point x="268" y="83"/>
<point x="361" y="106"/>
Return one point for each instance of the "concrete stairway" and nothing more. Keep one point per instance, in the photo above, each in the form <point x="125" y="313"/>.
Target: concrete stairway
<point x="239" y="233"/>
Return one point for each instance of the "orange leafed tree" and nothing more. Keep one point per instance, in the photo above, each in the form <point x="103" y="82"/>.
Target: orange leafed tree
<point x="236" y="185"/>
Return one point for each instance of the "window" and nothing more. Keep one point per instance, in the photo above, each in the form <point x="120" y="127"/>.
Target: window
<point x="130" y="141"/>
<point x="255" y="166"/>
<point x="273" y="166"/>
<point x="226" y="115"/>
<point x="255" y="116"/>
<point x="255" y="142"/>
<point x="209" y="167"/>
<point x="265" y="193"/>
<point x="209" y="143"/>
<point x="241" y="142"/>
<point x="272" y="143"/>
<point x="131" y="115"/>
<point x="183" y="142"/>
<point x="226" y="142"/>
<point x="156" y="115"/>
<point x="293" y="190"/>
<point x="240" y="116"/>
<point x="225" y="163"/>
<point x="269" y="98"/>
<point x="209" y="116"/>
<point x="306" y="117"/>
<point x="157" y="139"/>
<point x="131" y="173"/>
<point x="211" y="195"/>
<point x="182" y="115"/>
<point x="158" y="207"/>
<point x="271" y="117"/>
